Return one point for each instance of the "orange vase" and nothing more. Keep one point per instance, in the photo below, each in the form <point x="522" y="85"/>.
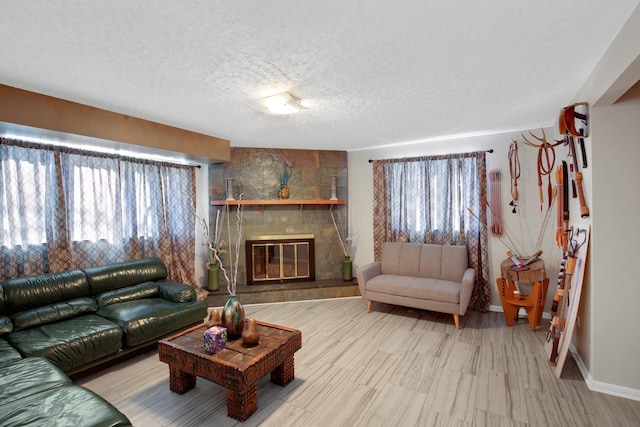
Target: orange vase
<point x="284" y="192"/>
<point x="250" y="334"/>
<point x="214" y="319"/>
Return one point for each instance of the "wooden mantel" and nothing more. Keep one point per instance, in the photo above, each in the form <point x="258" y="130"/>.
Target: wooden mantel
<point x="278" y="202"/>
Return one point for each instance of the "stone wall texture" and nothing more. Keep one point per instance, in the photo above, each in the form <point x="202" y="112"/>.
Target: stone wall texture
<point x="256" y="176"/>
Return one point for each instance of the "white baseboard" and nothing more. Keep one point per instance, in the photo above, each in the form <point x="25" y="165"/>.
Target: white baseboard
<point x="593" y="385"/>
<point x="601" y="387"/>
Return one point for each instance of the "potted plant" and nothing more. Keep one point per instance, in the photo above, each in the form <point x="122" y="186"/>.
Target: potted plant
<point x="284" y="192"/>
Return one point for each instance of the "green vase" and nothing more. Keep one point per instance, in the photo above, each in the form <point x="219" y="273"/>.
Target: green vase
<point x="347" y="269"/>
<point x="213" y="278"/>
<point x="233" y="317"/>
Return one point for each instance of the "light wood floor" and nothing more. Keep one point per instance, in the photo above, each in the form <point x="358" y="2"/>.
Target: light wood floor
<point x="392" y="367"/>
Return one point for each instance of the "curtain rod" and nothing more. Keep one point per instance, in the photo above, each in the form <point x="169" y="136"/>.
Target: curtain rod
<point x="93" y="149"/>
<point x="490" y="150"/>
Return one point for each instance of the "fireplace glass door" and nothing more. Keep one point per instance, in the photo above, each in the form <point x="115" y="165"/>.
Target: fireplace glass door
<point x="280" y="260"/>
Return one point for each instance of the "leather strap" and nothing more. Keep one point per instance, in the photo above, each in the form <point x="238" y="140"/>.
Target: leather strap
<point x="567" y="120"/>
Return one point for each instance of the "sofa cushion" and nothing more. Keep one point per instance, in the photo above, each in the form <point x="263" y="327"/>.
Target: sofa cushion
<point x="27" y="377"/>
<point x="144" y="320"/>
<point x="174" y="291"/>
<point x="63" y="406"/>
<point x="128" y="293"/>
<point x="430" y="261"/>
<point x="120" y="275"/>
<point x="416" y="287"/>
<point x="53" y="312"/>
<point x="71" y="342"/>
<point x="8" y="354"/>
<point x="446" y="262"/>
<point x="6" y="325"/>
<point x="400" y="258"/>
<point x="2" y="309"/>
<point x="24" y="293"/>
<point x="455" y="261"/>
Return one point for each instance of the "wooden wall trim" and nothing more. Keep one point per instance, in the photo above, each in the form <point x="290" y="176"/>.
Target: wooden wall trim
<point x="45" y="112"/>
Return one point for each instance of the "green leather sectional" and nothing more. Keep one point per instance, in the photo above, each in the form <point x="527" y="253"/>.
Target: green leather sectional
<point x="35" y="392"/>
<point x="60" y="324"/>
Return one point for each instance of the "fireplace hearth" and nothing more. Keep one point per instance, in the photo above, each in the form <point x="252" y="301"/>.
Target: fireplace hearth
<point x="280" y="258"/>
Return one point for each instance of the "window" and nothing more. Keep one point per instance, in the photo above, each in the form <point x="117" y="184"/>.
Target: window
<point x="427" y="200"/>
<point x="64" y="209"/>
<point x="24" y="176"/>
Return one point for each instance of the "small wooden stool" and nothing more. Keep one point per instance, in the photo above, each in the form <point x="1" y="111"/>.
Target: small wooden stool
<point x="532" y="303"/>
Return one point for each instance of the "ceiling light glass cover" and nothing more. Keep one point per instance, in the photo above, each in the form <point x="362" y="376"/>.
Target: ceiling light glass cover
<point x="283" y="103"/>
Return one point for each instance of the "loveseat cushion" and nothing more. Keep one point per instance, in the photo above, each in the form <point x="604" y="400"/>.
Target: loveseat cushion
<point x="27" y="377"/>
<point x="69" y="343"/>
<point x="416" y="287"/>
<point x="53" y="312"/>
<point x="120" y="275"/>
<point x="446" y="262"/>
<point x="174" y="291"/>
<point x="67" y="406"/>
<point x="451" y="261"/>
<point x="128" y="293"/>
<point x="401" y="258"/>
<point x="145" y="320"/>
<point x="25" y="293"/>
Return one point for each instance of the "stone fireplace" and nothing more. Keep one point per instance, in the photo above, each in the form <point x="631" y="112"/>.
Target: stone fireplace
<point x="255" y="173"/>
<point x="280" y="258"/>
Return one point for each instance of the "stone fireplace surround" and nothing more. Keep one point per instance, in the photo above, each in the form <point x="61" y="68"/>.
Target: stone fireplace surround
<point x="255" y="174"/>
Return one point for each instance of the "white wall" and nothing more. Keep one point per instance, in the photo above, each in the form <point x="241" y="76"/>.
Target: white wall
<point x="608" y="342"/>
<point x="615" y="344"/>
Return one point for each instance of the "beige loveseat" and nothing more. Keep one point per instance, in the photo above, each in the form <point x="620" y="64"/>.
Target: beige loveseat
<point x="424" y="276"/>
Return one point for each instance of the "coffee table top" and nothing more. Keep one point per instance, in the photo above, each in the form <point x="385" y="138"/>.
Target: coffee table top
<point x="236" y="354"/>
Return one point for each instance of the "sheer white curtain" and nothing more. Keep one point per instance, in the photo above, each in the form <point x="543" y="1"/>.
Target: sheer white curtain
<point x="28" y="211"/>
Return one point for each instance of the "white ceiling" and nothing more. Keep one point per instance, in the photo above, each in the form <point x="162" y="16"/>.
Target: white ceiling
<point x="373" y="72"/>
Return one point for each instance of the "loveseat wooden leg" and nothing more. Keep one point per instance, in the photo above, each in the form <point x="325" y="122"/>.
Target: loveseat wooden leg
<point x="369" y="306"/>
<point x="456" y="320"/>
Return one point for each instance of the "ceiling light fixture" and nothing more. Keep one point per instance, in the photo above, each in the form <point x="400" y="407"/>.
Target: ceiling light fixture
<point x="283" y="103"/>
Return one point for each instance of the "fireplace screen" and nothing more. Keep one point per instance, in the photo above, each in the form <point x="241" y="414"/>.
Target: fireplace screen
<point x="280" y="258"/>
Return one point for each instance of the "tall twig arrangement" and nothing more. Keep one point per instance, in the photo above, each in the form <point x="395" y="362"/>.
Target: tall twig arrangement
<point x="345" y="240"/>
<point x="235" y="255"/>
<point x="215" y="245"/>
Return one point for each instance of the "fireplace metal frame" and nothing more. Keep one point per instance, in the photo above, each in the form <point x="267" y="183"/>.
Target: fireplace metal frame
<point x="278" y="241"/>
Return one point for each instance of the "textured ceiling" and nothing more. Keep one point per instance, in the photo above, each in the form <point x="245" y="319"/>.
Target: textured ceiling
<point x="373" y="72"/>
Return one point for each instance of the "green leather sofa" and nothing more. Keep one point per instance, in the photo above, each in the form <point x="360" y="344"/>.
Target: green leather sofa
<point x="68" y="323"/>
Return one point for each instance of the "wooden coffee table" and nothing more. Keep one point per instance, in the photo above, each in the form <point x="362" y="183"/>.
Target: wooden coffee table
<point x="237" y="368"/>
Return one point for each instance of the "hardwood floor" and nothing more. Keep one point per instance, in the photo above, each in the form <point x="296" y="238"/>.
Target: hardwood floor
<point x="393" y="366"/>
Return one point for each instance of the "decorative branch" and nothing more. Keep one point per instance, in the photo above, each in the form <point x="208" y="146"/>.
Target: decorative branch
<point x="344" y="242"/>
<point x="232" y="282"/>
<point x="214" y="246"/>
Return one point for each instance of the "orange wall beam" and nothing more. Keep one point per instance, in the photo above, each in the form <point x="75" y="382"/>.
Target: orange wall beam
<point x="41" y="111"/>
